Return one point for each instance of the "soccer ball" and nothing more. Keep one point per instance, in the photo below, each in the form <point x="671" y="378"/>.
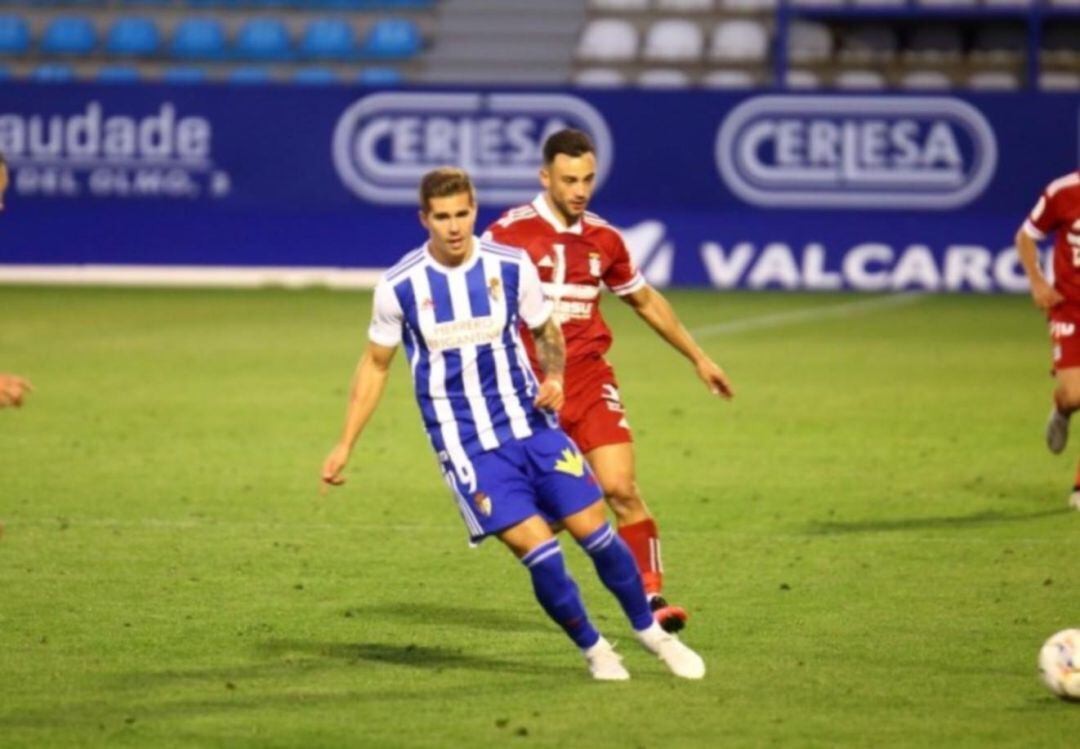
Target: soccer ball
<point x="1059" y="664"/>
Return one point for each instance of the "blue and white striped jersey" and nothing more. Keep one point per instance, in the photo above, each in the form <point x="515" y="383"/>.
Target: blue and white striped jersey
<point x="460" y="329"/>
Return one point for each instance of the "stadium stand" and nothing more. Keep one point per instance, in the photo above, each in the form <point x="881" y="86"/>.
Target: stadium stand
<point x="329" y="39"/>
<point x="69" y="36"/>
<point x="906" y="44"/>
<point x="741" y="40"/>
<point x="263" y="39"/>
<point x="674" y="40"/>
<point x="925" y="80"/>
<point x="133" y="36"/>
<point x="199" y="39"/>
<point x="192" y="41"/>
<point x="609" y="40"/>
<point x="14" y="35"/>
<point x="729" y="79"/>
<point x="118" y="74"/>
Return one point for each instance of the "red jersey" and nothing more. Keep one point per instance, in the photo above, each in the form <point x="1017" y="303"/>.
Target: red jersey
<point x="574" y="262"/>
<point x="1058" y="211"/>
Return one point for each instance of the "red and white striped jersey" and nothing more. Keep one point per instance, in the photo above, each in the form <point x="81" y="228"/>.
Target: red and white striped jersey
<point x="574" y="264"/>
<point x="1058" y="212"/>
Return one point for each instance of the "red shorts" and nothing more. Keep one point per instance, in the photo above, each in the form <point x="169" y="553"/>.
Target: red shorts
<point x="593" y="414"/>
<point x="1065" y="334"/>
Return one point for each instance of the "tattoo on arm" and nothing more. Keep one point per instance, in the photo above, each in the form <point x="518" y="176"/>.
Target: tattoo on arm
<point x="550" y="348"/>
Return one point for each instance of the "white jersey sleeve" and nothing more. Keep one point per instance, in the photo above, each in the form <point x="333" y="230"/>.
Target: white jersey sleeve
<point x="534" y="307"/>
<point x="387" y="317"/>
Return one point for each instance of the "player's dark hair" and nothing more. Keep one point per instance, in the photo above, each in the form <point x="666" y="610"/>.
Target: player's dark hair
<point x="444" y="182"/>
<point x="569" y="142"/>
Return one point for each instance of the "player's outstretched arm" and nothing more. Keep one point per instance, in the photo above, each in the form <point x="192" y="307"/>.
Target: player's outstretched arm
<point x="368" y="383"/>
<point x="1044" y="295"/>
<point x="653" y="308"/>
<point x="551" y="354"/>
<point x="13" y="390"/>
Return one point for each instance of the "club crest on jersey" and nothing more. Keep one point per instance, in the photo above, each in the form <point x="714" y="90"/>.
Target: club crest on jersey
<point x="594" y="264"/>
<point x="427" y="304"/>
<point x="494" y="288"/>
<point x="483" y="504"/>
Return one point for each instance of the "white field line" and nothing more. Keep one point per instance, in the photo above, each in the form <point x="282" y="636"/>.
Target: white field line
<point x="807" y="314"/>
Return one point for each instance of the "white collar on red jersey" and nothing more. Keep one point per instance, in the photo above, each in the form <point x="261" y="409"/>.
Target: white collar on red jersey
<point x="545" y="212"/>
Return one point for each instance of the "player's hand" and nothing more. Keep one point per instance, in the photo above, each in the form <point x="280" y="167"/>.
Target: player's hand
<point x="333" y="466"/>
<point x="13" y="390"/>
<point x="1045" y="295"/>
<point x="714" y="378"/>
<point x="551" y="394"/>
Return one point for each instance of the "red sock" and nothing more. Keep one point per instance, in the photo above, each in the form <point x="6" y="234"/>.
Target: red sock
<point x="643" y="539"/>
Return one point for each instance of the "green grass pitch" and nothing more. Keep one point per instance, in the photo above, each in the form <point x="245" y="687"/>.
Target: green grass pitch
<point x="872" y="538"/>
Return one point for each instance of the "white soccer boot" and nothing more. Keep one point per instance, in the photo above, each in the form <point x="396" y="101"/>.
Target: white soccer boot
<point x="1074" y="499"/>
<point x="604" y="663"/>
<point x="681" y="660"/>
<point x="1057" y="431"/>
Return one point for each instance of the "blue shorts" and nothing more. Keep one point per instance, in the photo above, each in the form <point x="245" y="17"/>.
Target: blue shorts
<point x="544" y="474"/>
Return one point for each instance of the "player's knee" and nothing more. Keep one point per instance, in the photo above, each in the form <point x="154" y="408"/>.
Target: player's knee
<point x="622" y="496"/>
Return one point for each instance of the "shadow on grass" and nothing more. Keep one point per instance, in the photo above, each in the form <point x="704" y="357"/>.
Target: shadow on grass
<point x="979" y="519"/>
<point x="411" y="655"/>
<point x="258" y="686"/>
<point x="420" y="613"/>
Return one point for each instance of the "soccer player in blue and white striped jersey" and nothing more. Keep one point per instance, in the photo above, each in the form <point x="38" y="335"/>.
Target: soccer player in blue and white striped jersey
<point x="457" y="304"/>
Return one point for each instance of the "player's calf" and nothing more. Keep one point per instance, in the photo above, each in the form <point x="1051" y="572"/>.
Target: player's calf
<point x="616" y="568"/>
<point x="622" y="496"/>
<point x="558" y="593"/>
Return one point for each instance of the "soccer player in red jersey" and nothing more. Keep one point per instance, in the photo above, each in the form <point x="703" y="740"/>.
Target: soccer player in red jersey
<point x="1058" y="212"/>
<point x="577" y="254"/>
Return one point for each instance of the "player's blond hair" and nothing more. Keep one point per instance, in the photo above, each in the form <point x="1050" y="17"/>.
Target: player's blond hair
<point x="444" y="182"/>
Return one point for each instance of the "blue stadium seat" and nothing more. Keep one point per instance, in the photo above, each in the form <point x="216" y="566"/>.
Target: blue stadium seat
<point x="69" y="35"/>
<point x="249" y="75"/>
<point x="133" y="36"/>
<point x="53" y="73"/>
<point x="14" y="35"/>
<point x="118" y="74"/>
<point x="199" y="38"/>
<point x="329" y="39"/>
<point x="316" y="77"/>
<point x="348" y="4"/>
<point x="184" y="75"/>
<point x="263" y="39"/>
<point x="392" y="38"/>
<point x="380" y="77"/>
